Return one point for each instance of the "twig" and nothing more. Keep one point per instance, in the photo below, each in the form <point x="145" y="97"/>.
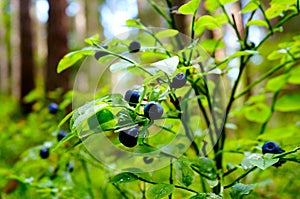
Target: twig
<point x="240" y="177"/>
<point x="176" y="186"/>
<point x="264" y="125"/>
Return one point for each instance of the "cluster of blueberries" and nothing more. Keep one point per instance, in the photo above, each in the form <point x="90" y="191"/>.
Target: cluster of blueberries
<point x="45" y="152"/>
<point x="152" y="110"/>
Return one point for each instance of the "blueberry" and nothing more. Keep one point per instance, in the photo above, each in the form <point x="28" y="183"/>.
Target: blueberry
<point x="148" y="160"/>
<point x="272" y="147"/>
<point x="178" y="81"/>
<point x="132" y="97"/>
<point x="61" y="135"/>
<point x="129" y="138"/>
<point x="53" y="108"/>
<point x="70" y="167"/>
<point x="44" y="153"/>
<point x="134" y="46"/>
<point x="101" y="53"/>
<point x="250" y="45"/>
<point x="153" y="110"/>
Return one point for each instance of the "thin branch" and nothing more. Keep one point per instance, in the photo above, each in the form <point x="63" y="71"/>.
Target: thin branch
<point x="264" y="125"/>
<point x="176" y="186"/>
<point x="265" y="16"/>
<point x="171" y="176"/>
<point x="240" y="177"/>
<point x="269" y="73"/>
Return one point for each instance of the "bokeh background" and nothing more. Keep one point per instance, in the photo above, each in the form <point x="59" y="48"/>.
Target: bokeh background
<point x="36" y="34"/>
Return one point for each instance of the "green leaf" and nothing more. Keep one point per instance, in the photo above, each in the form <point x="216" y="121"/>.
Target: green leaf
<point x="211" y="5"/>
<point x="256" y="98"/>
<point x="135" y="24"/>
<point x="206" y="196"/>
<point x="288" y="103"/>
<point x="92" y="40"/>
<point x="251" y="6"/>
<point x="211" y="45"/>
<point x="283" y="2"/>
<point x="206" y="166"/>
<point x="275" y="10"/>
<point x="166" y="33"/>
<point x="277" y="54"/>
<point x="104" y="119"/>
<point x="239" y="190"/>
<point x="221" y="19"/>
<point x="236" y="54"/>
<point x="279" y="134"/>
<point x="261" y="161"/>
<point x="160" y="190"/>
<point x="168" y="65"/>
<point x="119" y="66"/>
<point x="223" y="2"/>
<point x="150" y="56"/>
<point x="190" y="7"/>
<point x="277" y="83"/>
<point x="259" y="113"/>
<point x="184" y="173"/>
<point x="73" y="57"/>
<point x="66" y="118"/>
<point x="206" y="21"/>
<point x="257" y="22"/>
<point x="124" y="177"/>
<point x="294" y="76"/>
<point x="84" y="112"/>
<point x="64" y="140"/>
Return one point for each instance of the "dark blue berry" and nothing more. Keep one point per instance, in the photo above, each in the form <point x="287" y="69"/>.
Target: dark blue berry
<point x="61" y="135"/>
<point x="272" y="147"/>
<point x="100" y="54"/>
<point x="70" y="167"/>
<point x="44" y="153"/>
<point x="53" y="108"/>
<point x="129" y="138"/>
<point x="250" y="45"/>
<point x="148" y="160"/>
<point x="153" y="110"/>
<point x="132" y="97"/>
<point x="134" y="46"/>
<point x="178" y="81"/>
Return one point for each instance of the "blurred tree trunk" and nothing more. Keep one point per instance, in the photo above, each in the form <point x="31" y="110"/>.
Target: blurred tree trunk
<point x="15" y="48"/>
<point x="3" y="60"/>
<point x="144" y="11"/>
<point x="27" y="60"/>
<point x="182" y="21"/>
<point x="5" y="49"/>
<point x="57" y="42"/>
<point x="79" y="26"/>
<point x="92" y="18"/>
